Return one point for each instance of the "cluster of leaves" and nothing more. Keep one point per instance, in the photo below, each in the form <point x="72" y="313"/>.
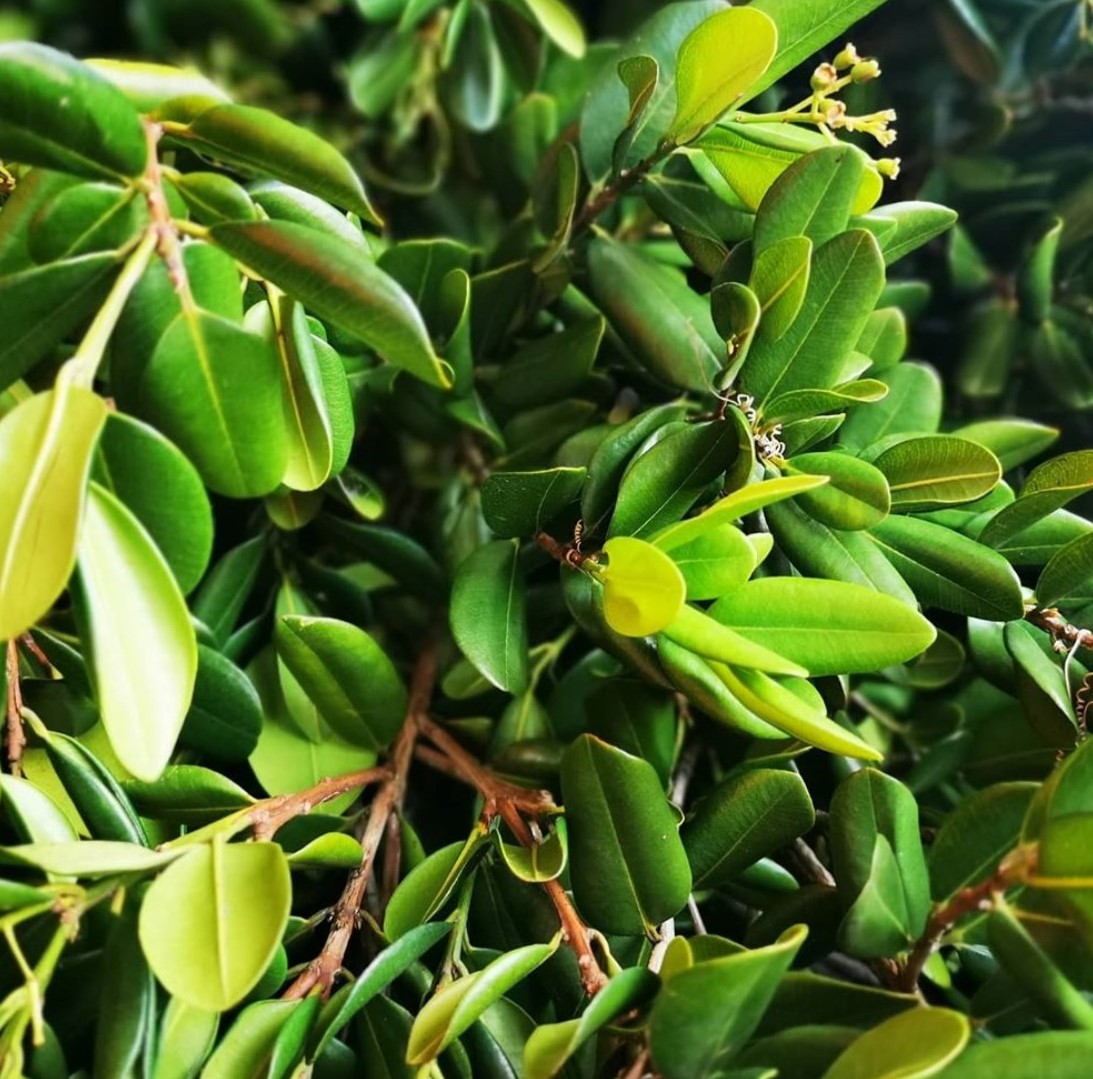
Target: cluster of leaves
<point x="716" y="692"/>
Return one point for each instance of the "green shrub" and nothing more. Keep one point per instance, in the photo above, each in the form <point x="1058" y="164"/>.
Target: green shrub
<point x="522" y="613"/>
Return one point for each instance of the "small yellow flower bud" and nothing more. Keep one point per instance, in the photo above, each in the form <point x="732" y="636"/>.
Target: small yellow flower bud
<point x="865" y="71"/>
<point x="888" y="167"/>
<point x="824" y="78"/>
<point x="847" y="58"/>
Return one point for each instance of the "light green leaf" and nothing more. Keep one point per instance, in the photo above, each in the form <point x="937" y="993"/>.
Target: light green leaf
<point x="64" y="115"/>
<point x="544" y="861"/>
<point x="643" y="589"/>
<point x="779" y="279"/>
<point x="1013" y="441"/>
<point x="1049" y="487"/>
<point x="627" y="864"/>
<point x="912" y="406"/>
<point x="747" y="816"/>
<point x="828" y="627"/>
<point x="856" y="497"/>
<point x="706" y="1014"/>
<point x="696" y="630"/>
<point x="558" y="22"/>
<point x="260" y="143"/>
<point x="715" y="562"/>
<point x="210" y="924"/>
<point x="137" y="630"/>
<point x="345" y="673"/>
<point x="89" y="858"/>
<point x="914" y="224"/>
<point x="552" y="1044"/>
<point x="934" y="471"/>
<point x="451" y="1011"/>
<point x="488" y="614"/>
<point x="337" y="282"/>
<point x="423" y="892"/>
<point x="46" y="447"/>
<point x="717" y="63"/>
<point x="186" y="1037"/>
<point x="913" y="1045"/>
<point x="246" y="1048"/>
<point x="1024" y="1056"/>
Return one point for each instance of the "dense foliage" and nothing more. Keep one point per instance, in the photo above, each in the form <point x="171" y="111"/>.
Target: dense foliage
<point x="487" y="592"/>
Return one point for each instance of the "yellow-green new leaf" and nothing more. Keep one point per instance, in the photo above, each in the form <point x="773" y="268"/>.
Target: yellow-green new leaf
<point x="643" y="589"/>
<point x="210" y="924"/>
<point x="696" y="630"/>
<point x="46" y="448"/>
<point x="138" y="633"/>
<point x="559" y="23"/>
<point x="456" y="1007"/>
<point x="717" y="63"/>
<point x="912" y="1045"/>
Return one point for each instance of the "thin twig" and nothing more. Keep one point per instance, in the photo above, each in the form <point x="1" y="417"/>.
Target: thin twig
<point x="16" y="737"/>
<point x="639" y="1068"/>
<point x="274" y="813"/>
<point x="322" y="971"/>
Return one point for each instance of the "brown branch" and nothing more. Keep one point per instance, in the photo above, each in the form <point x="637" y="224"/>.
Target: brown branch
<point x="168" y="246"/>
<point x="566" y="553"/>
<point x="639" y="1068"/>
<point x="1013" y="869"/>
<point x="322" y="971"/>
<point x="509" y="802"/>
<point x="35" y="649"/>
<point x="1063" y="635"/>
<point x="271" y="814"/>
<point x="618" y="187"/>
<point x="15" y="735"/>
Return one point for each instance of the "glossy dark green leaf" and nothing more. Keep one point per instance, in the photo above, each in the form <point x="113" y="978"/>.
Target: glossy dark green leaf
<point x="489" y="614"/>
<point x="213" y="197"/>
<point x="258" y="142"/>
<point x="137" y="464"/>
<point x="705" y="1015"/>
<point x="339" y="284"/>
<point x="350" y="679"/>
<point x="126" y="1015"/>
<point x="846" y="279"/>
<point x="521" y="503"/>
<point x="85" y="218"/>
<point x="744" y="818"/>
<point x="662" y="484"/>
<point x="1067" y="573"/>
<point x="62" y="114"/>
<point x="627" y="863"/>
<point x="948" y="570"/>
<point x="934" y="471"/>
<point x="1036" y="278"/>
<point x="680" y="346"/>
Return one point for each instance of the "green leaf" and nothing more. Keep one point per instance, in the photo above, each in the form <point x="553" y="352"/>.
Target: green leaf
<point x="558" y="22"/>
<point x="846" y="280"/>
<point x="1023" y="1056"/>
<point x="627" y="864"/>
<point x="552" y="1044"/>
<point x="717" y="63"/>
<point x="1012" y="441"/>
<point x="795" y="707"/>
<point x="85" y="218"/>
<point x="260" y="143"/>
<point x="643" y="589"/>
<point x="186" y="1037"/>
<point x="34" y="815"/>
<point x="488" y="614"/>
<point x="521" y="503"/>
<point x="935" y="471"/>
<point x="804" y="27"/>
<point x="734" y="506"/>
<point x="473" y="82"/>
<point x="246" y="1048"/>
<point x="450" y="1012"/>
<point x="544" y="861"/>
<point x="779" y="279"/>
<point x="392" y="961"/>
<point x="747" y="816"/>
<point x="819" y="551"/>
<point x="213" y="197"/>
<point x="347" y="675"/>
<point x="130" y="606"/>
<point x="46" y="446"/>
<point x="43" y="304"/>
<point x="814" y="198"/>
<point x="423" y="892"/>
<point x="211" y="922"/>
<point x="1067" y="573"/>
<point x="715" y="562"/>
<point x="1036" y="278"/>
<point x="662" y="484"/>
<point x="856" y="497"/>
<point x="64" y="115"/>
<point x="125" y="1015"/>
<point x="913" y="1045"/>
<point x="338" y="283"/>
<point x="976" y="836"/>
<point x="704" y="1016"/>
<point x="828" y="627"/>
<point x="1049" y="487"/>
<point x="878" y="862"/>
<point x="661" y="319"/>
<point x="606" y="106"/>
<point x="188" y="793"/>
<point x="915" y="224"/>
<point x="136" y="464"/>
<point x="189" y="391"/>
<point x="695" y="629"/>
<point x="950" y="571"/>
<point x="89" y="858"/>
<point x="640" y="75"/>
<point x="912" y="406"/>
